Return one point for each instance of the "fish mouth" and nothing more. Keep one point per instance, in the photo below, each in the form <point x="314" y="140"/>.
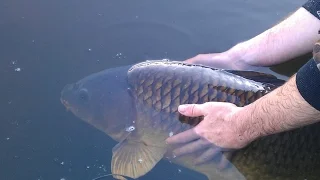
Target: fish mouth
<point x="66" y="90"/>
<point x="66" y="104"/>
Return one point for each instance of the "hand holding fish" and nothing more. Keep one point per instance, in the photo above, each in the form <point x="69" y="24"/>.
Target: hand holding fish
<point x="219" y="128"/>
<point x="224" y="60"/>
<point x="230" y="59"/>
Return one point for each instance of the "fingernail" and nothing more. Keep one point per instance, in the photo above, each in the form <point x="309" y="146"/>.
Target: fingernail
<point x="168" y="141"/>
<point x="182" y="108"/>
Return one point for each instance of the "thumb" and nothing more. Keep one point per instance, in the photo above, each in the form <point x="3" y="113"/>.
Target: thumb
<point x="217" y="60"/>
<point x="191" y="110"/>
<point x="200" y="58"/>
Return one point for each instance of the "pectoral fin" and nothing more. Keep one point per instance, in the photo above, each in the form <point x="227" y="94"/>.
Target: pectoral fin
<point x="134" y="159"/>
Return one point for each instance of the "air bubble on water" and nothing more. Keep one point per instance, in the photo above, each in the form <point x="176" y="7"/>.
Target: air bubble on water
<point x="120" y="55"/>
<point x="62" y="163"/>
<point x="89" y="49"/>
<point x="14" y="63"/>
<point x="174" y="156"/>
<point x="170" y="134"/>
<point x="63" y="179"/>
<point x="179" y="170"/>
<point x="7" y="138"/>
<point x="130" y="128"/>
<point x="88" y="167"/>
<point x="103" y="167"/>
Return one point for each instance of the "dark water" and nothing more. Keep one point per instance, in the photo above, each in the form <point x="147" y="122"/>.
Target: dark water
<point x="47" y="44"/>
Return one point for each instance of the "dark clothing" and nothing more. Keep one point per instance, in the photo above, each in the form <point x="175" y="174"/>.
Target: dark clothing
<point x="313" y="6"/>
<point x="308" y="83"/>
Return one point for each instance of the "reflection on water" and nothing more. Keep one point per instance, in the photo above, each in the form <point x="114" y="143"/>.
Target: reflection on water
<point x="46" y="45"/>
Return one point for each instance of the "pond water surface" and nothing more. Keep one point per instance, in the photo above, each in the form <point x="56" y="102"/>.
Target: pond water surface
<point x="47" y="44"/>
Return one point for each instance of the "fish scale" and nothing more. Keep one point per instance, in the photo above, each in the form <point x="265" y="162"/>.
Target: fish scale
<point x="189" y="88"/>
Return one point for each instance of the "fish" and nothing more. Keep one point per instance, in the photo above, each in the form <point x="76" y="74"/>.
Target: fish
<point x="137" y="106"/>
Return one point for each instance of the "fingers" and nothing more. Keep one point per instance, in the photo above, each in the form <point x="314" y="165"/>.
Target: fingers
<point x="224" y="162"/>
<point x="194" y="59"/>
<point x="191" y="147"/>
<point x="183" y="137"/>
<point x="207" y="155"/>
<point x="214" y="154"/>
<point x="191" y="110"/>
<point x="203" y="58"/>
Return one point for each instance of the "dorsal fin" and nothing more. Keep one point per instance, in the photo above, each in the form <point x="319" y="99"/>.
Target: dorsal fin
<point x="264" y="78"/>
<point x="259" y="77"/>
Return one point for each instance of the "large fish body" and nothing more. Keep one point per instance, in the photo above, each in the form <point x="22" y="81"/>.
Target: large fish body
<point x="137" y="106"/>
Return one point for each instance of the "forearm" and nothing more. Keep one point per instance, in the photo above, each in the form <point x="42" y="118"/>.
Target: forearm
<point x="290" y="38"/>
<point x="282" y="109"/>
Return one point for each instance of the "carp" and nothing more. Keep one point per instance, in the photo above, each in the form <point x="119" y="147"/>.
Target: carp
<point x="137" y="106"/>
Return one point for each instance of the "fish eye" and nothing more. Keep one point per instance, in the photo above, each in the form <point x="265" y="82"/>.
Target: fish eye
<point x="83" y="95"/>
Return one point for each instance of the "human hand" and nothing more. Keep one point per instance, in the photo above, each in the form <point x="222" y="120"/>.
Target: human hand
<point x="220" y="130"/>
<point x="231" y="59"/>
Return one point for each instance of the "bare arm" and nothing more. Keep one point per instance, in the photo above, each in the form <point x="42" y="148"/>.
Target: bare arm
<point x="281" y="110"/>
<point x="290" y="38"/>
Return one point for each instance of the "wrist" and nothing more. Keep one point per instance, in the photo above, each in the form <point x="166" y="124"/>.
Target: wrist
<point x="248" y="130"/>
<point x="283" y="109"/>
<point x="242" y="56"/>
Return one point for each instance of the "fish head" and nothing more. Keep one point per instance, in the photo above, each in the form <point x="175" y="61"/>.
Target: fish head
<point x="102" y="100"/>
